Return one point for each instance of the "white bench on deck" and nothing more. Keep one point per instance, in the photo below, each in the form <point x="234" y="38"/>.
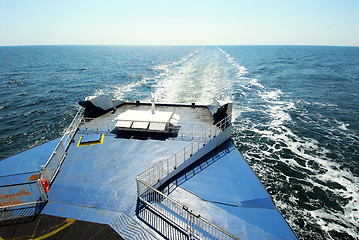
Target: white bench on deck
<point x="152" y="121"/>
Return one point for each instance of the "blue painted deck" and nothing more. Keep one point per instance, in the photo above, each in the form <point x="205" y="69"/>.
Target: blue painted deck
<point x="103" y="175"/>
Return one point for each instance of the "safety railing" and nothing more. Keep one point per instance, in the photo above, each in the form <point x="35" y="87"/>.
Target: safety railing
<point x="196" y="226"/>
<point x="49" y="171"/>
<point x="22" y="194"/>
<point x="165" y="167"/>
<point x="181" y="131"/>
<point x="69" y="133"/>
<point x="193" y="224"/>
<point x="102" y="126"/>
<point x="189" y="131"/>
<point x="28" y="193"/>
<point x="53" y="164"/>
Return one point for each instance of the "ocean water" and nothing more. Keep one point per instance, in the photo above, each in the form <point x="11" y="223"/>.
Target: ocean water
<point x="296" y="111"/>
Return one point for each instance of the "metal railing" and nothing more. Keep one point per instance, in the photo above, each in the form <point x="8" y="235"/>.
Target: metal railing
<point x="22" y="194"/>
<point x="182" y="131"/>
<point x="103" y="126"/>
<point x="196" y="226"/>
<point x="53" y="164"/>
<point x="69" y="133"/>
<point x="159" y="171"/>
<point x="50" y="169"/>
<point x="33" y="192"/>
<point x="189" y="131"/>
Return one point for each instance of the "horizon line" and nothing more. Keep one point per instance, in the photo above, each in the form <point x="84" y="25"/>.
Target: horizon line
<point x="179" y="45"/>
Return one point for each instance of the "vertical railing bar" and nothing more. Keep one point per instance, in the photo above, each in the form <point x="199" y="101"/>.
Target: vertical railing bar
<point x="168" y="171"/>
<point x="175" y="160"/>
<point x="184" y="153"/>
<point x="41" y="190"/>
<point x="192" y="148"/>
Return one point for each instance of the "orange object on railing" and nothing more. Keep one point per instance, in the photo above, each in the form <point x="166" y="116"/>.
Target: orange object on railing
<point x="45" y="184"/>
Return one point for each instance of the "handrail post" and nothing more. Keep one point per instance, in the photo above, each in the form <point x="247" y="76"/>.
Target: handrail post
<point x="44" y="173"/>
<point x="175" y="160"/>
<point x="168" y="168"/>
<point x="191" y="149"/>
<point x="41" y="189"/>
<point x="191" y="225"/>
<point x="192" y="131"/>
<point x="184" y="154"/>
<point x="159" y="172"/>
<point x="138" y="188"/>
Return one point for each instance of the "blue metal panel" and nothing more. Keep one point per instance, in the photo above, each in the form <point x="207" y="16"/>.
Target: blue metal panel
<point x="19" y="178"/>
<point x="80" y="212"/>
<point x="28" y="161"/>
<point x="268" y="220"/>
<point x="90" y="138"/>
<point x="225" y="179"/>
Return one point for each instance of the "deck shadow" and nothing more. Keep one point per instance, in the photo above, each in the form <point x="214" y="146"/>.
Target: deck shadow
<point x="143" y="135"/>
<point x="195" y="168"/>
<point x="20" y="214"/>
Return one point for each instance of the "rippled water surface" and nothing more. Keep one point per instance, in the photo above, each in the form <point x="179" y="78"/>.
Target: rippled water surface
<point x="296" y="111"/>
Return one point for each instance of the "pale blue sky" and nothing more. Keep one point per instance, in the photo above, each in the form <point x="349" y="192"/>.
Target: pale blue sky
<point x="185" y="22"/>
